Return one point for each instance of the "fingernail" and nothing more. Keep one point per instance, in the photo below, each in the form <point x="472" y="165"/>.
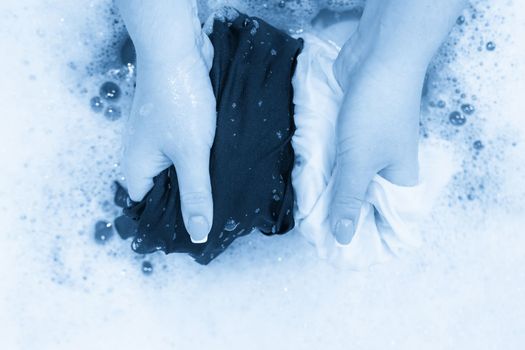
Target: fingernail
<point x="344" y="231"/>
<point x="200" y="241"/>
<point x="198" y="229"/>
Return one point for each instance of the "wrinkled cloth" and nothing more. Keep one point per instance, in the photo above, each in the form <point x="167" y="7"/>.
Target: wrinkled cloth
<point x="389" y="216"/>
<point x="251" y="158"/>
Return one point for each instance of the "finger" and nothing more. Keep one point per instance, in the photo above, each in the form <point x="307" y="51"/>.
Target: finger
<point x="207" y="51"/>
<point x="351" y="183"/>
<point x="402" y="173"/>
<point x="193" y="175"/>
<point x="141" y="164"/>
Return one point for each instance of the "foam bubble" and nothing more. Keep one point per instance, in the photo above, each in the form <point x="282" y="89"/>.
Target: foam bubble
<point x="110" y="91"/>
<point x="103" y="231"/>
<point x="461" y="290"/>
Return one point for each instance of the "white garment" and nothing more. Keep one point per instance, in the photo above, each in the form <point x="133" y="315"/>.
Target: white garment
<point x="388" y="220"/>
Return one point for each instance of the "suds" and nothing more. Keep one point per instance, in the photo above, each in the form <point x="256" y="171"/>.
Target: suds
<point x="457" y="109"/>
<point x="63" y="290"/>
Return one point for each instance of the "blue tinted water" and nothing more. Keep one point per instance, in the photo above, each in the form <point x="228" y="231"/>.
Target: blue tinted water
<point x="61" y="289"/>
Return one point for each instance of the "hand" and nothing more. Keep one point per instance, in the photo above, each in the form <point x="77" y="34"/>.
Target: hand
<point x="173" y="120"/>
<point x="381" y="69"/>
<point x="377" y="132"/>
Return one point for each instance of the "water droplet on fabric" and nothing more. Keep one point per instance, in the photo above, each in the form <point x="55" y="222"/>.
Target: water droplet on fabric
<point x="230" y="225"/>
<point x="255" y="27"/>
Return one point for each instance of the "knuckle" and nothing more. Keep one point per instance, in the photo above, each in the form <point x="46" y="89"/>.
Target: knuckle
<point x="195" y="198"/>
<point x="347" y="202"/>
<point x="349" y="152"/>
<point x="191" y="165"/>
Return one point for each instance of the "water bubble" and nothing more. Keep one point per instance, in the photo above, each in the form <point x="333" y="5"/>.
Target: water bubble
<point x="112" y="113"/>
<point x="276" y="197"/>
<point x="103" y="231"/>
<point x="491" y="46"/>
<point x="230" y="225"/>
<point x="110" y="91"/>
<point x="457" y="119"/>
<point x="467" y="108"/>
<point x="96" y="104"/>
<point x="147" y="268"/>
<point x="273" y="52"/>
<point x="460" y="20"/>
<point x="441" y="104"/>
<point x="478" y="145"/>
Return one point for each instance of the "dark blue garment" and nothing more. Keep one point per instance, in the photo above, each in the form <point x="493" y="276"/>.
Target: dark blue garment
<point x="251" y="159"/>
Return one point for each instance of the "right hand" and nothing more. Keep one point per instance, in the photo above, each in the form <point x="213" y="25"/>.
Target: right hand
<point x="377" y="133"/>
<point x="381" y="69"/>
<point x="173" y="121"/>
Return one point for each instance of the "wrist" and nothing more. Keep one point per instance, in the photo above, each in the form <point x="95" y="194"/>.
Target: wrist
<point x="162" y="27"/>
<point x="179" y="51"/>
<point x="379" y="62"/>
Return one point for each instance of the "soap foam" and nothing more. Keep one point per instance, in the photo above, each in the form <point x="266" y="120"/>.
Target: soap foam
<point x="62" y="289"/>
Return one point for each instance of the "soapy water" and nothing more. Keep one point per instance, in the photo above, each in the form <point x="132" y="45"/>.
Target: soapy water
<point x="69" y="281"/>
<point x="293" y="16"/>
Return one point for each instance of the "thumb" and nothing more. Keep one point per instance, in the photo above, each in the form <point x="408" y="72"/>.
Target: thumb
<point x="193" y="176"/>
<point x="351" y="183"/>
<point x="140" y="165"/>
